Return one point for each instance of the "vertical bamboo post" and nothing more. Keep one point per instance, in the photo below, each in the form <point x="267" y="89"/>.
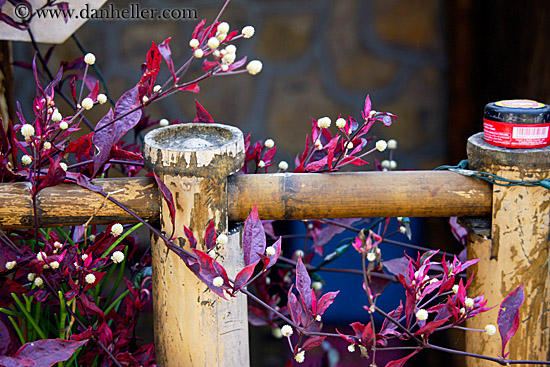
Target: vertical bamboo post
<point x="192" y="325"/>
<point x="516" y="252"/>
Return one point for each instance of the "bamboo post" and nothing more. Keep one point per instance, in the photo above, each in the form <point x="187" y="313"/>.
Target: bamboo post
<point x="193" y="326"/>
<point x="515" y="252"/>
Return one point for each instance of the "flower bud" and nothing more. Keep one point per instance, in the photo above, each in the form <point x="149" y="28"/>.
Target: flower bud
<point x="421" y="315"/>
<point x="283" y="166"/>
<point x="63" y="166"/>
<point x="392" y="144"/>
<point x="217" y="282"/>
<point x="89" y="59"/>
<point x="27" y="130"/>
<point x="26" y="159"/>
<point x="381" y="145"/>
<point x="222" y="239"/>
<point x="194" y="43"/>
<point x="254" y="67"/>
<point x="269" y="143"/>
<point x="287" y="331"/>
<point x="90" y="278"/>
<point x="11" y="264"/>
<point x="198" y="53"/>
<point x="164" y="122"/>
<point x="47" y="145"/>
<point x="341" y="123"/>
<point x="323" y="122"/>
<point x="223" y="27"/>
<point x="490" y="329"/>
<point x="117" y="257"/>
<point x="56" y="116"/>
<point x="101" y="98"/>
<point x="63" y="125"/>
<point x="270" y="251"/>
<point x="213" y="43"/>
<point x="117" y="229"/>
<point x="248" y="31"/>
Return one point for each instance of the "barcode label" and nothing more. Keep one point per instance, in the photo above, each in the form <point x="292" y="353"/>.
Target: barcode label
<point x="530" y="132"/>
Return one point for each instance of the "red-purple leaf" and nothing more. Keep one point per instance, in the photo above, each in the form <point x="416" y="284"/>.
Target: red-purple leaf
<point x="303" y="283"/>
<point x="430" y="327"/>
<point x="253" y="238"/>
<point x="273" y="258"/>
<point x="397" y="266"/>
<point x="104" y="139"/>
<point x="47" y="352"/>
<point x="209" y="270"/>
<point x="166" y="53"/>
<point x="401" y="362"/>
<point x="55" y="175"/>
<point x="508" y="315"/>
<point x="202" y="115"/>
<point x="366" y="110"/>
<point x="325" y="301"/>
<point x="294" y="307"/>
<point x="168" y="199"/>
<point x="193" y="87"/>
<point x="243" y="276"/>
<point x="210" y="236"/>
<point x="190" y="237"/>
<point x="312" y="342"/>
<point x="125" y="104"/>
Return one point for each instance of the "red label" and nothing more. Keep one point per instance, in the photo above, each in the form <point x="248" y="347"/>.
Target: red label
<point x="510" y="135"/>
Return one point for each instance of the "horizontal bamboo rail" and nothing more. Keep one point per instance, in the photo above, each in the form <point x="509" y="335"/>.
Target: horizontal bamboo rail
<point x="279" y="196"/>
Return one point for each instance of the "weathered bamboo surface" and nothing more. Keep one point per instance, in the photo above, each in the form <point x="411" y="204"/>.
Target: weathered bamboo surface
<point x="279" y="196"/>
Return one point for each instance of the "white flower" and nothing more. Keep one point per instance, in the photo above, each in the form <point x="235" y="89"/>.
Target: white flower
<point x="57" y="244"/>
<point x="102" y="98"/>
<point x="90" y="278"/>
<point x="468" y="302"/>
<point x="349" y="145"/>
<point x="89" y="59"/>
<point x="403" y="229"/>
<point x="84" y="256"/>
<point x="269" y="143"/>
<point x="38" y="281"/>
<point x="490" y="329"/>
<point x="223" y="27"/>
<point x="54" y="264"/>
<point x="381" y="145"/>
<point x="318" y="318"/>
<point x="63" y="125"/>
<point x="117" y="229"/>
<point x="254" y="67"/>
<point x="144" y="99"/>
<point x="217" y="282"/>
<point x="385" y="163"/>
<point x="216" y="53"/>
<point x="231" y="49"/>
<point x="40" y="256"/>
<point x="11" y="264"/>
<point x="287" y="330"/>
<point x="277" y="333"/>
<point x="47" y="145"/>
<point x="392" y="144"/>
<point x="317" y="286"/>
<point x="393" y="164"/>
<point x="371" y="256"/>
<point x="421" y="314"/>
<point x="164" y="122"/>
<point x="462" y="311"/>
<point x="267" y="280"/>
<point x="87" y="103"/>
<point x="351" y="348"/>
<point x="63" y="165"/>
<point x="248" y="31"/>
<point x="372" y="113"/>
<point x="213" y="43"/>
<point x="224" y="67"/>
<point x="117" y="257"/>
<point x="228" y="59"/>
<point x="198" y="53"/>
<point x="323" y="122"/>
<point x="194" y="43"/>
<point x="26" y="159"/>
<point x="318" y="145"/>
<point x="270" y="251"/>
<point x="300" y="357"/>
<point x="92" y="237"/>
<point x="212" y="253"/>
<point x="221" y="36"/>
<point x="455" y="288"/>
<point x="341" y="123"/>
<point x="27" y="130"/>
<point x="56" y="116"/>
<point x="31" y="276"/>
<point x="261" y="164"/>
<point x="222" y="239"/>
<point x="283" y="166"/>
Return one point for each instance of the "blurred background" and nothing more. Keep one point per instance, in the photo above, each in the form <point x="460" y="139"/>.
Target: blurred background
<point x="433" y="63"/>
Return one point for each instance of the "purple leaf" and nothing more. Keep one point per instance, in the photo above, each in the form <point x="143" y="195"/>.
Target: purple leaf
<point x="166" y="53"/>
<point x="126" y="103"/>
<point x="508" y="316"/>
<point x="243" y="276"/>
<point x="103" y="139"/>
<point x="325" y="301"/>
<point x="397" y="266"/>
<point x="312" y="342"/>
<point x="202" y="115"/>
<point x="8" y="338"/>
<point x="55" y="175"/>
<point x="47" y="352"/>
<point x="209" y="270"/>
<point x="328" y="232"/>
<point x="303" y="283"/>
<point x="401" y="362"/>
<point x="253" y="238"/>
<point x="190" y="237"/>
<point x="294" y="307"/>
<point x="210" y="236"/>
<point x="168" y="199"/>
<point x="273" y="258"/>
